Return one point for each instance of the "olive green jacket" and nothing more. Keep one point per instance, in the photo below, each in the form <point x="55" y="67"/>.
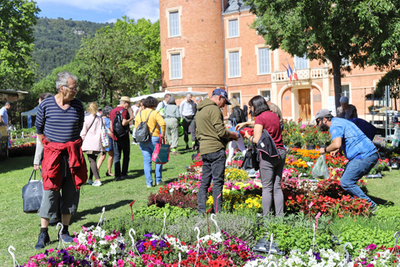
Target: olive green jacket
<point x="210" y="128"/>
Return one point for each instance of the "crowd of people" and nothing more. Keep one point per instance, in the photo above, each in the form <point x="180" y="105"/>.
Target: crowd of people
<point x="65" y="133"/>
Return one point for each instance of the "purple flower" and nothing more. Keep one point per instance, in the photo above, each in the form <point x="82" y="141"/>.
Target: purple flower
<point x="317" y="256"/>
<point x="371" y="247"/>
<point x="148" y="235"/>
<point x="51" y="260"/>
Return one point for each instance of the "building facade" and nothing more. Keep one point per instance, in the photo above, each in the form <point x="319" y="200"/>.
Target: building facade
<point x="209" y="43"/>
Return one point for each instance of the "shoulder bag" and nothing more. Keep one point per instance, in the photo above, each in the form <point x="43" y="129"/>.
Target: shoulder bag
<point x="32" y="193"/>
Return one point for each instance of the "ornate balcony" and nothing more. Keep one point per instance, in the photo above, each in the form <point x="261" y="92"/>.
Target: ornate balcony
<point x="304" y="74"/>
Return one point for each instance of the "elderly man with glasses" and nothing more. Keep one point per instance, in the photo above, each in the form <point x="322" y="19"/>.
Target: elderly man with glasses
<point x="59" y="121"/>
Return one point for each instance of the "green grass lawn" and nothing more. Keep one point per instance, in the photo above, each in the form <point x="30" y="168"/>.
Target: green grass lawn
<point x="21" y="229"/>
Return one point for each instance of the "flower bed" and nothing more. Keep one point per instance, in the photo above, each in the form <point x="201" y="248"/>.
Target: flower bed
<point x="22" y="147"/>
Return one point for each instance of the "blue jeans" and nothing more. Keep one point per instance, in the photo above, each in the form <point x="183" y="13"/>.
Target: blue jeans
<point x="147" y="151"/>
<point x="213" y="169"/>
<point x="355" y="170"/>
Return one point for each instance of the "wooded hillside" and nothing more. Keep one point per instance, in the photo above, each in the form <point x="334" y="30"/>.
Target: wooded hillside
<point x="57" y="40"/>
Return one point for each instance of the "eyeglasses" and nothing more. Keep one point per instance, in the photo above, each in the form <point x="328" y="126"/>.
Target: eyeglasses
<point x="76" y="88"/>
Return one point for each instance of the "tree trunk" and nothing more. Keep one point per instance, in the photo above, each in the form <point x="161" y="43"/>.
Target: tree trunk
<point x="150" y="84"/>
<point x="337" y="80"/>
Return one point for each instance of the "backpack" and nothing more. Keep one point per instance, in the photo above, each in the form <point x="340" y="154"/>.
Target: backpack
<point x="118" y="129"/>
<point x="142" y="133"/>
<point x="162" y="110"/>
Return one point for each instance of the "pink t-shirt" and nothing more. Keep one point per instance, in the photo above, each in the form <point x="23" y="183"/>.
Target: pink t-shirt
<point x="270" y="122"/>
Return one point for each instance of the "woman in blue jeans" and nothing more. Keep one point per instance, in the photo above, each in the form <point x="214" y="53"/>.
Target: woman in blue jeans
<point x="156" y="126"/>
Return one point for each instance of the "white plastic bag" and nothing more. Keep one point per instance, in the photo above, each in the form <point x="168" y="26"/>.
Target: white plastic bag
<point x="320" y="169"/>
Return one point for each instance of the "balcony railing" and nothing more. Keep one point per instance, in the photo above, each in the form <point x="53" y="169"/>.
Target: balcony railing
<point x="305" y="74"/>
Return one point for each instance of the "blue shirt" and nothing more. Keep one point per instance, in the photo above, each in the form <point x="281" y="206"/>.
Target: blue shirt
<point x="4" y="115"/>
<point x="355" y="144"/>
<point x="60" y="125"/>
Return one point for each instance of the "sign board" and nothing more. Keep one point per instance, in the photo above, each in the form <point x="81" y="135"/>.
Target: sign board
<point x="331" y="105"/>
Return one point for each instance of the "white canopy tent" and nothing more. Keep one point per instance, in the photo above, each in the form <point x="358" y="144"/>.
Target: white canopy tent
<point x="176" y="95"/>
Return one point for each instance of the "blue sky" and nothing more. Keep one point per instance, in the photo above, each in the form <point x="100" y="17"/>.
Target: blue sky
<point x="99" y="10"/>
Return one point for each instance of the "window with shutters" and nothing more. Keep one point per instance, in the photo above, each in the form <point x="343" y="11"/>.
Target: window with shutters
<point x="234" y="64"/>
<point x="233" y="28"/>
<point x="174" y="23"/>
<point x="176" y="68"/>
<point x="264" y="61"/>
<point x="301" y="62"/>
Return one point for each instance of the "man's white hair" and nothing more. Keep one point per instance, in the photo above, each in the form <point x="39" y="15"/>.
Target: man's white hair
<point x="62" y="79"/>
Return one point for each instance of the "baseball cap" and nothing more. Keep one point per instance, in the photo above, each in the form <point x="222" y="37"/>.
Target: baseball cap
<point x="322" y="113"/>
<point x="222" y="92"/>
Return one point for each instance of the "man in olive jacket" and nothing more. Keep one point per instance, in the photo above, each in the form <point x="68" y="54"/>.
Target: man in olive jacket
<point x="213" y="137"/>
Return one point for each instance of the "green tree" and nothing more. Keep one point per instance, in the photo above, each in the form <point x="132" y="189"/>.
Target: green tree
<point x="104" y="58"/>
<point x="147" y="61"/>
<point x="17" y="18"/>
<point x="366" y="32"/>
<point x="391" y="79"/>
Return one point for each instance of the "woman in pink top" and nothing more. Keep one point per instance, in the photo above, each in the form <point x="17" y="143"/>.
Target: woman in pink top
<point x="92" y="142"/>
<point x="271" y="168"/>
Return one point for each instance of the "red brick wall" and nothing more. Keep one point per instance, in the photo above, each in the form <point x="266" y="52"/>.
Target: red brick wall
<point x="201" y="38"/>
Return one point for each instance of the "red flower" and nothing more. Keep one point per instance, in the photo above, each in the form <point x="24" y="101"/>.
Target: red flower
<point x="209" y="242"/>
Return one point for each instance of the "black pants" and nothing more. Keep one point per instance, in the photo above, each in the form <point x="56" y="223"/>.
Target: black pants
<point x="121" y="146"/>
<point x="188" y="124"/>
<point x="213" y="168"/>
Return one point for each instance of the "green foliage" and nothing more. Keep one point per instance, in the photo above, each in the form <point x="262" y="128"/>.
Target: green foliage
<point x="57" y="40"/>
<point x="148" y="67"/>
<point x="105" y="58"/>
<point x="242" y="226"/>
<point x="362" y="231"/>
<point x="366" y="32"/>
<point x="16" y="43"/>
<point x="172" y="212"/>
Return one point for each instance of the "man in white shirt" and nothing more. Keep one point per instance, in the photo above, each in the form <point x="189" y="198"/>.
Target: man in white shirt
<point x="188" y="110"/>
<point x="4" y="114"/>
<point x="160" y="107"/>
<point x="135" y="108"/>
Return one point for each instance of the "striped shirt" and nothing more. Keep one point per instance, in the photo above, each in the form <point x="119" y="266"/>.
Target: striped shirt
<point x="60" y="125"/>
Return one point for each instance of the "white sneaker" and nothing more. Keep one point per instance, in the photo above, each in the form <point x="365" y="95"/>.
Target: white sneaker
<point x="96" y="183"/>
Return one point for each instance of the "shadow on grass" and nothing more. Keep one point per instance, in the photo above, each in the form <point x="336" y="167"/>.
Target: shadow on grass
<point x="97" y="210"/>
<point x="381" y="201"/>
<point x="12" y="164"/>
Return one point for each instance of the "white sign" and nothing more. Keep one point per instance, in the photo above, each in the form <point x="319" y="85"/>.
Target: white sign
<point x="331" y="105"/>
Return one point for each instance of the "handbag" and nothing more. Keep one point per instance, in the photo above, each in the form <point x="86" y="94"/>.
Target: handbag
<point x="251" y="159"/>
<point x="161" y="152"/>
<point x="32" y="193"/>
<point x="105" y="141"/>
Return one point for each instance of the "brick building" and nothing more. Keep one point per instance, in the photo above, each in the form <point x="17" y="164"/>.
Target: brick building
<point x="209" y="43"/>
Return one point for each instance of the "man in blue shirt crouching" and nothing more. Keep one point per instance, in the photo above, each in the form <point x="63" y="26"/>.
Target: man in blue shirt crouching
<point x="356" y="146"/>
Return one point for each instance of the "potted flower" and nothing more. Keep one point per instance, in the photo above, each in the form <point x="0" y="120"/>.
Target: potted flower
<point x="324" y="138"/>
<point x="310" y="136"/>
<point x="296" y="140"/>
